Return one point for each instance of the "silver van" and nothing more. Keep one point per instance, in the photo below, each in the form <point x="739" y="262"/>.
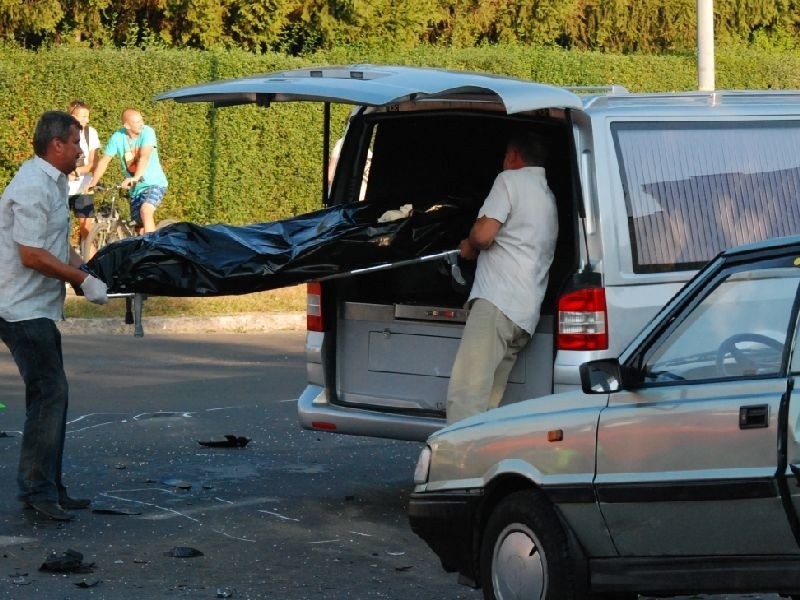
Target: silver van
<point x="649" y="188"/>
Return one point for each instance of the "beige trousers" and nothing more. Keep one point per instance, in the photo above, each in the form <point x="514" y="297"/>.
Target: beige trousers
<point x="488" y="350"/>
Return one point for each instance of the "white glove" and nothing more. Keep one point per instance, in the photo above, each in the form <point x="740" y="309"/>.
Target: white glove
<point x="95" y="290"/>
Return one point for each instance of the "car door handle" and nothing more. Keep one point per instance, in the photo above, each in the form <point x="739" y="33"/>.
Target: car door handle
<point x="753" y="417"/>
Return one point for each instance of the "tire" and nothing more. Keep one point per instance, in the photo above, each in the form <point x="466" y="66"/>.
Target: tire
<point x="524" y="552"/>
<point x="105" y="233"/>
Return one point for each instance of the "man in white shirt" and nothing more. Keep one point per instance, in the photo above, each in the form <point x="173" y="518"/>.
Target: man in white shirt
<point x="35" y="261"/>
<point x="513" y="240"/>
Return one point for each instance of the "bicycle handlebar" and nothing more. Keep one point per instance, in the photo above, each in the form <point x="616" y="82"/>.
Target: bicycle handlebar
<point x="107" y="188"/>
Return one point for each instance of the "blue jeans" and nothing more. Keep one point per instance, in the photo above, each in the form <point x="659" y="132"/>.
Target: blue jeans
<point x="36" y="347"/>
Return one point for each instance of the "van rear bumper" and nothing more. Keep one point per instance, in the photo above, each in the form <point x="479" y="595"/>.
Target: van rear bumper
<point x="315" y="412"/>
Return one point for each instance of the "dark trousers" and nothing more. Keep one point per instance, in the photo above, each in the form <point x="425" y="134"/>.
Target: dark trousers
<point x="36" y="347"/>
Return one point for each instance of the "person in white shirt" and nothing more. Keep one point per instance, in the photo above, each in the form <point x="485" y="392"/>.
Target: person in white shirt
<point x="513" y="240"/>
<point x="82" y="203"/>
<point x="35" y="261"/>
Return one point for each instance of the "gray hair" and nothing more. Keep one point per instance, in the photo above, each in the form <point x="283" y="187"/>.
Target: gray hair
<point x="53" y="124"/>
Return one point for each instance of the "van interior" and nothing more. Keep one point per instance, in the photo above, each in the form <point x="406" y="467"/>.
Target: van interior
<point x="425" y="159"/>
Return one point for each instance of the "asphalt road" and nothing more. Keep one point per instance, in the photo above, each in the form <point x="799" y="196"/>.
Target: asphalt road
<point x="292" y="515"/>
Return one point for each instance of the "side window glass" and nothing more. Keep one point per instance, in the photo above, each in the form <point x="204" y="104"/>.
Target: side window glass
<point x="738" y="330"/>
<point x="693" y="189"/>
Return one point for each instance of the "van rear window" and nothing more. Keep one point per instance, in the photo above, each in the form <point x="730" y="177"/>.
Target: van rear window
<point x="694" y="189"/>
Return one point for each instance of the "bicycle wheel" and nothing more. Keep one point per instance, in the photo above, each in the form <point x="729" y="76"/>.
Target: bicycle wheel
<point x="104" y="233"/>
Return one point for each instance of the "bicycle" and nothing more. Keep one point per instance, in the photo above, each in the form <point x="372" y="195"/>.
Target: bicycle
<point x="109" y="225"/>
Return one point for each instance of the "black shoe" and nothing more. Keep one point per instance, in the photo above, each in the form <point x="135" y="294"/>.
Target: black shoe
<point x="51" y="510"/>
<point x="74" y="503"/>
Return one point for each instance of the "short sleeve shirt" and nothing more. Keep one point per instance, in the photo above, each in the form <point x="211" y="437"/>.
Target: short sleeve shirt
<point x="512" y="273"/>
<point x="119" y="143"/>
<point x="93" y="143"/>
<point x="33" y="212"/>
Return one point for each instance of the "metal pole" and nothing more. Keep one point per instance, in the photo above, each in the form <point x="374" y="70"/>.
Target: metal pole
<point x="326" y="143"/>
<point x="705" y="45"/>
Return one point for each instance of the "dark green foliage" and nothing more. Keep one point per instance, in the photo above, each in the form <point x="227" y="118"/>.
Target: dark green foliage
<point x="247" y="164"/>
<point x="304" y="26"/>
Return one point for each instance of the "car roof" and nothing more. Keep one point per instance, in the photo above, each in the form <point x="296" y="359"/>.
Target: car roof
<point x="377" y="85"/>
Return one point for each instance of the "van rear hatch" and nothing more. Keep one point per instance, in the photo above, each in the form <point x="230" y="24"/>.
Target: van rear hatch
<point x="372" y="85"/>
<point x="399" y="350"/>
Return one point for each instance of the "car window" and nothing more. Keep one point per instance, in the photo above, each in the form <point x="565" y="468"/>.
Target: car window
<point x="737" y="330"/>
<point x="694" y="189"/>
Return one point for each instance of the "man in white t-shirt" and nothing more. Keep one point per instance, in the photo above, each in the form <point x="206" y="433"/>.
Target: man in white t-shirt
<point x="513" y="240"/>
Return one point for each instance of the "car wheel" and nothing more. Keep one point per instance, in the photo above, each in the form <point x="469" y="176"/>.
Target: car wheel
<point x="524" y="553"/>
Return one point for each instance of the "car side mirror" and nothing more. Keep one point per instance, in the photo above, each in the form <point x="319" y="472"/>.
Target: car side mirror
<point x="601" y="376"/>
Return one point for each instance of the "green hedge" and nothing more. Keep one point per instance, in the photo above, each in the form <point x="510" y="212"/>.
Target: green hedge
<point x="247" y="164"/>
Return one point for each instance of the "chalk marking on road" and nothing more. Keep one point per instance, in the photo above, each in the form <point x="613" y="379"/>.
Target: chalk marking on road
<point x="174" y="513"/>
<point x="326" y="541"/>
<point x="221" y="500"/>
<point x="92" y="427"/>
<point x="202" y="509"/>
<point x="359" y="533"/>
<point x="10" y="540"/>
<point x="287" y="400"/>
<point x="164" y="508"/>
<point x="233" y="537"/>
<point x="166" y="413"/>
<point x="280" y="516"/>
<point x="86" y="416"/>
<point x="184" y="415"/>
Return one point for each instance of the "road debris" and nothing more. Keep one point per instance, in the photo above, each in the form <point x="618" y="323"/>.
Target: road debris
<point x="69" y="561"/>
<point x="230" y="441"/>
<point x="178" y="483"/>
<point x="183" y="552"/>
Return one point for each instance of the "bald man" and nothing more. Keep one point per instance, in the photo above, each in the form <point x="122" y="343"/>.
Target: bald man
<point x="137" y="148"/>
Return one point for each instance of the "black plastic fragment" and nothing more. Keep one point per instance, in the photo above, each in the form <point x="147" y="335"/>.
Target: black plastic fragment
<point x="69" y="561"/>
<point x="111" y="510"/>
<point x="85" y="584"/>
<point x="230" y="441"/>
<point x="183" y="552"/>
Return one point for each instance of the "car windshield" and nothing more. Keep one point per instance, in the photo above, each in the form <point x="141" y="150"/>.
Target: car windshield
<point x="737" y="330"/>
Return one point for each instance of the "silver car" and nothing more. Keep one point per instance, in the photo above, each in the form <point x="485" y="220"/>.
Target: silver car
<point x="675" y="470"/>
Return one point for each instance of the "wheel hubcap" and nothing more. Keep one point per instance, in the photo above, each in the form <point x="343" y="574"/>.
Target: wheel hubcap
<point x="518" y="566"/>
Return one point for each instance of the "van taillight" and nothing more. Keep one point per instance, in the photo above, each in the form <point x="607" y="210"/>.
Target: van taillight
<point x="314" y="307"/>
<point x="582" y="320"/>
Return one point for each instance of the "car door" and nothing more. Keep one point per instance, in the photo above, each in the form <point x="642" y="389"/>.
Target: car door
<point x="689" y="463"/>
<point x="791" y="466"/>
